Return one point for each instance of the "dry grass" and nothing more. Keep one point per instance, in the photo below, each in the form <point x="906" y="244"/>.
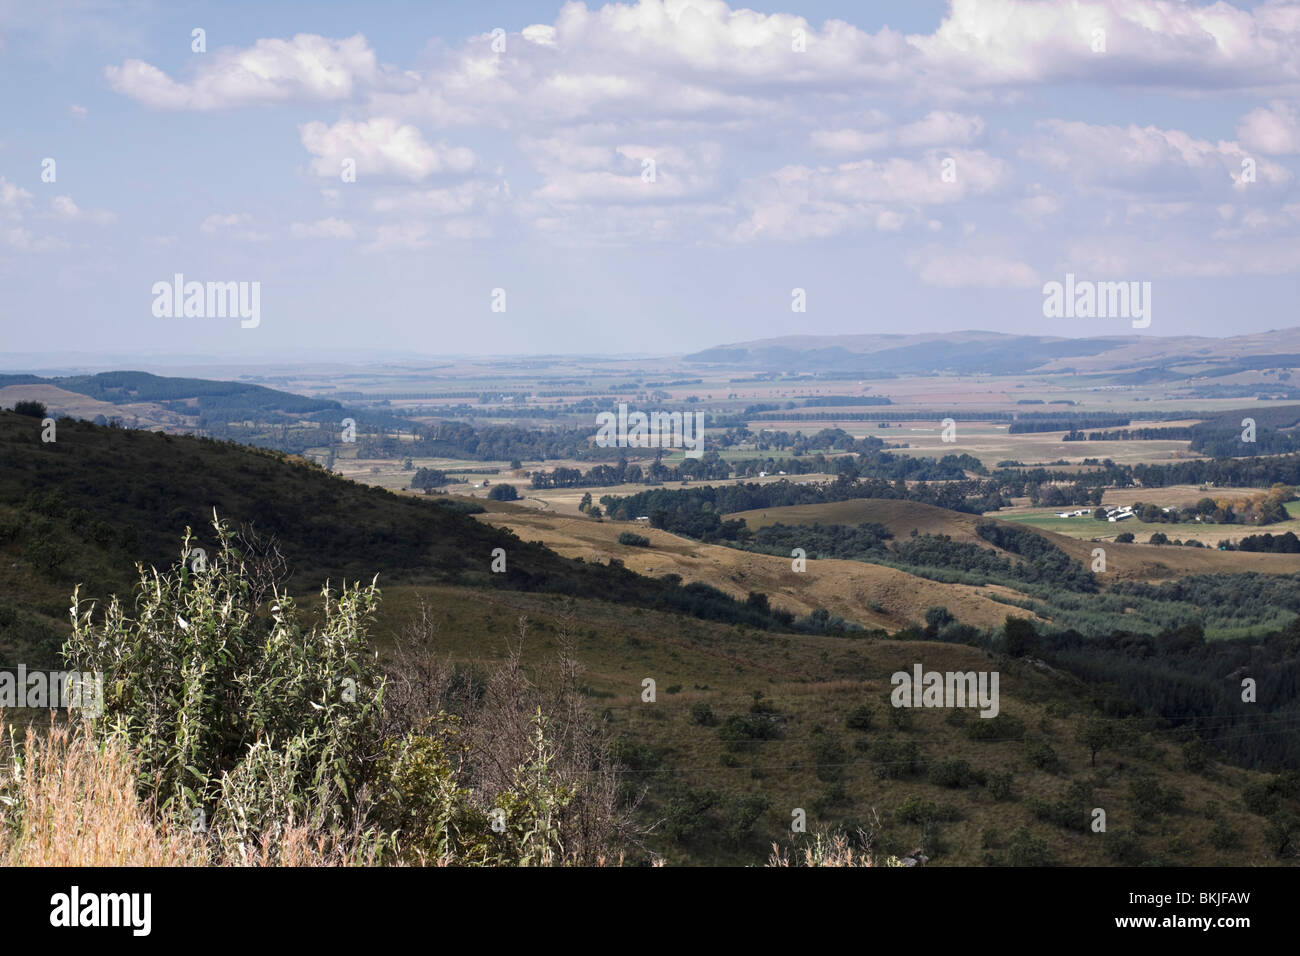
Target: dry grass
<point x="844" y="587"/>
<point x="834" y="850"/>
<point x="70" y="802"/>
<point x="67" y="800"/>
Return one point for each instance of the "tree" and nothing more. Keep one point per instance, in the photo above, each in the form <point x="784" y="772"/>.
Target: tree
<point x="30" y="409"/>
<point x="504" y="493"/>
<point x="1097" y="734"/>
<point x="1020" y="636"/>
<point x="427" y="479"/>
<point x="936" y="619"/>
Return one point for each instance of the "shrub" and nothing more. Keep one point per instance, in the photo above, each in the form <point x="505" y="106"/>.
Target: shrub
<point x="860" y="718"/>
<point x="742" y="732"/>
<point x="745" y="812"/>
<point x="1150" y="800"/>
<point x="1281" y="834"/>
<point x="1041" y="756"/>
<point x="1067" y="814"/>
<point x="1223" y="837"/>
<point x="1125" y="848"/>
<point x="634" y="540"/>
<point x="999" y="785"/>
<point x="220" y="700"/>
<point x="503" y="492"/>
<point x="702" y="714"/>
<point x="953" y="773"/>
<point x="894" y="759"/>
<point x="1003" y="727"/>
<point x="900" y="718"/>
<point x="1026" y="849"/>
<point x="828" y="756"/>
<point x="686" y="813"/>
<point x="1194" y="756"/>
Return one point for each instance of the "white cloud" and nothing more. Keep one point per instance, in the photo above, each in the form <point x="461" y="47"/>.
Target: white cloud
<point x="67" y="210"/>
<point x="1274" y="130"/>
<point x="459" y="200"/>
<point x="405" y="235"/>
<point x="936" y="128"/>
<point x="308" y="68"/>
<point x="13" y="198"/>
<point x="798" y="202"/>
<point x="79" y="112"/>
<point x="955" y="268"/>
<point x="235" y="225"/>
<point x="1133" y="160"/>
<point x="1040" y="205"/>
<point x="1173" y="45"/>
<point x="381" y="147"/>
<point x="330" y="228"/>
<point x="574" y="169"/>
<point x="15" y="202"/>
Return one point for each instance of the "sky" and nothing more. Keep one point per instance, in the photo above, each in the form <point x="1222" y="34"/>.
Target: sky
<point x="643" y="178"/>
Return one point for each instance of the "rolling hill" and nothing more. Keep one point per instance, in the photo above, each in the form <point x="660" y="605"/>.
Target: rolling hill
<point x="752" y="722"/>
<point x="1000" y="353"/>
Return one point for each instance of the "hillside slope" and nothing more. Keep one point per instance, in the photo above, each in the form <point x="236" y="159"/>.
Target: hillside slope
<point x="88" y="506"/>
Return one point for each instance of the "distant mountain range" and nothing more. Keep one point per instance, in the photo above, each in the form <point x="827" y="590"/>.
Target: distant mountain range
<point x="974" y="352"/>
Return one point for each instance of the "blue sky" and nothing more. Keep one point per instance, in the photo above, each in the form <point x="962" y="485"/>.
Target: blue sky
<point x="524" y="169"/>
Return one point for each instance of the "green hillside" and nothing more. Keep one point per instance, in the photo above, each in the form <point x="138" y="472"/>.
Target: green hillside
<point x="751" y="723"/>
<point x="85" y="508"/>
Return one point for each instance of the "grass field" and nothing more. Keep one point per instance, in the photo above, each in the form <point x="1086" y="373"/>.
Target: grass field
<point x="1088" y="527"/>
<point x="813" y="684"/>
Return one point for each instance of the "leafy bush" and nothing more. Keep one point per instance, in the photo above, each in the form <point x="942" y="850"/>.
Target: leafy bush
<point x="860" y="718"/>
<point x="745" y="812"/>
<point x="634" y="540"/>
<point x="1125" y="848"/>
<point x="921" y="811"/>
<point x="1150" y="800"/>
<point x="894" y="759"/>
<point x="702" y="714"/>
<point x="1025" y="849"/>
<point x="742" y="732"/>
<point x="250" y="717"/>
<point x="954" y="773"/>
<point x="1003" y="727"/>
<point x="999" y="785"/>
<point x="1223" y="837"/>
<point x="1041" y="756"/>
<point x="828" y="756"/>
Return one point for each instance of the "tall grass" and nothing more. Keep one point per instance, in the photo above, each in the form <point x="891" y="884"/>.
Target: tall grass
<point x="67" y="800"/>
